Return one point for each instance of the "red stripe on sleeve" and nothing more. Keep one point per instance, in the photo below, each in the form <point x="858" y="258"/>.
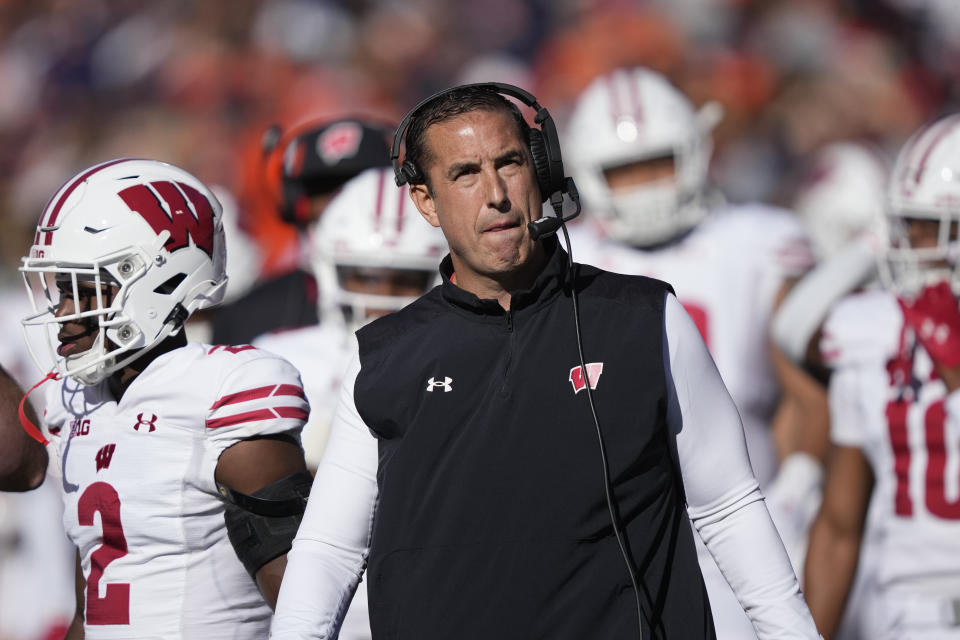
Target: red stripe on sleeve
<point x="240" y="418"/>
<point x="242" y="396"/>
<point x="289" y="390"/>
<point x="258" y="415"/>
<point x="292" y="412"/>
<point x="259" y="392"/>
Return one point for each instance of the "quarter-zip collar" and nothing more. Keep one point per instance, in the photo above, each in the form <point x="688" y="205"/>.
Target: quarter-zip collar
<point x="548" y="284"/>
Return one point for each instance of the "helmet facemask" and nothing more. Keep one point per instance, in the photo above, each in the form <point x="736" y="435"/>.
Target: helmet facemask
<point x="115" y="332"/>
<point x="364" y="293"/>
<point x="907" y="269"/>
<point x="657" y="204"/>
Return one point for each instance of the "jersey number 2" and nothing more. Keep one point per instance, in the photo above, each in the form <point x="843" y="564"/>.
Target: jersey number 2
<point x="114" y="606"/>
<point x="934" y="431"/>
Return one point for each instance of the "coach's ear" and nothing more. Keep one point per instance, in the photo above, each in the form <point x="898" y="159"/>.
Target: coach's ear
<point x="426" y="205"/>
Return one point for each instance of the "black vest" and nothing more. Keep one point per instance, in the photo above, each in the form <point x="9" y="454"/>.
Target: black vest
<point x="491" y="520"/>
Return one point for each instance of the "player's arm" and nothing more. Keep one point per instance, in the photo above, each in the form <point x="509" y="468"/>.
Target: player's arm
<point x="801" y="424"/>
<point x="330" y="550"/>
<point x="804" y="309"/>
<point x="23" y="460"/>
<point x="723" y="499"/>
<point x="254" y="460"/>
<point x="835" y="536"/>
<point x="801" y="432"/>
<point x="270" y="469"/>
<point x="75" y="631"/>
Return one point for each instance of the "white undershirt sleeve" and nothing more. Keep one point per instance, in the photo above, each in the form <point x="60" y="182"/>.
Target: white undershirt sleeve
<point x="723" y="498"/>
<point x="330" y="550"/>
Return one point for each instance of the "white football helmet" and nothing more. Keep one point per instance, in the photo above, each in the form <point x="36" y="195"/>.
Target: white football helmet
<point x="630" y="116"/>
<point x="147" y="228"/>
<point x="843" y="197"/>
<point x="925" y="184"/>
<point x="371" y="224"/>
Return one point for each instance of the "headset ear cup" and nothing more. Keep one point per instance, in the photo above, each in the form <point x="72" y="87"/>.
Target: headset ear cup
<point x="541" y="163"/>
<point x="410" y="173"/>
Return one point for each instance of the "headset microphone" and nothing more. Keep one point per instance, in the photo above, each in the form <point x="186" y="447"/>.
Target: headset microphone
<point x="547" y="226"/>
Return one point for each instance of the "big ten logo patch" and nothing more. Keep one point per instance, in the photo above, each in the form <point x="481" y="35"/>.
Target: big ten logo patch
<point x="79" y="427"/>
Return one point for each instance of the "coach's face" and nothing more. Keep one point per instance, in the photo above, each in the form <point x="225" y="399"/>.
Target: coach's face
<point x="483" y="194"/>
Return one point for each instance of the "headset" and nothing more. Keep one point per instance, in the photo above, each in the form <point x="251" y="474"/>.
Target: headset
<point x="544" y="144"/>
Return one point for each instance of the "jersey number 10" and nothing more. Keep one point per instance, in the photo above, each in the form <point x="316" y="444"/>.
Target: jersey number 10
<point x="934" y="430"/>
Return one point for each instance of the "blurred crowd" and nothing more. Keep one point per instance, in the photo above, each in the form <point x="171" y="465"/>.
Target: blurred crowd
<point x="196" y="83"/>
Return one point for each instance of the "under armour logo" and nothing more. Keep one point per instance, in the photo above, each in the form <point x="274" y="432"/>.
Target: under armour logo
<point x="104" y="456"/>
<point x="150" y="423"/>
<point x="594" y="369"/>
<point x="445" y="383"/>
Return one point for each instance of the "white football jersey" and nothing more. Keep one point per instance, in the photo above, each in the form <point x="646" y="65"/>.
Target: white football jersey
<point x="322" y="353"/>
<point x="886" y="398"/>
<point x="726" y="272"/>
<point x="140" y="501"/>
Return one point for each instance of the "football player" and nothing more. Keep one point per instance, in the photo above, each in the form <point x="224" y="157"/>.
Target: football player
<point x="180" y="465"/>
<point x="842" y="203"/>
<point x="895" y="409"/>
<point x="639" y="153"/>
<point x="303" y="168"/>
<point x="373" y="254"/>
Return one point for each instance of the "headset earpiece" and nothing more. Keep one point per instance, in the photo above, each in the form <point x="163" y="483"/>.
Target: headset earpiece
<point x="552" y="174"/>
<point x="541" y="163"/>
<point x="410" y="174"/>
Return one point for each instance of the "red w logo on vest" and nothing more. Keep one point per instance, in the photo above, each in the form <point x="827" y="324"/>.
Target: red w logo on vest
<point x="594" y="369"/>
<point x="175" y="207"/>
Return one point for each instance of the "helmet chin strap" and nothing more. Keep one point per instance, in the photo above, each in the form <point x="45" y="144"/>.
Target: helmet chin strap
<point x="33" y="430"/>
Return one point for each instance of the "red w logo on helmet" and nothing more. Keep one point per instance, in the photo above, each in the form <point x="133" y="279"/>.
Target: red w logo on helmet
<point x="175" y="207"/>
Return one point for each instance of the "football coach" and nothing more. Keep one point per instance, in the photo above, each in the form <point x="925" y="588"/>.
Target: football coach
<point x="516" y="453"/>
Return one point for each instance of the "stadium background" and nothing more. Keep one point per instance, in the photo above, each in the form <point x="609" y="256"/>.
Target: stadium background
<point x="196" y="83"/>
